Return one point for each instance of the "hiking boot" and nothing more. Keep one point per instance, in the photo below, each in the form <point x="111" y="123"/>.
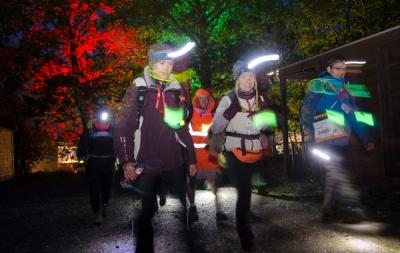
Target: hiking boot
<point x="155" y="205"/>
<point x="255" y="218"/>
<point x="221" y="216"/>
<point x="163" y="199"/>
<point x="193" y="215"/>
<point x="97" y="219"/>
<point x="104" y="210"/>
<point x="328" y="218"/>
<point x="248" y="246"/>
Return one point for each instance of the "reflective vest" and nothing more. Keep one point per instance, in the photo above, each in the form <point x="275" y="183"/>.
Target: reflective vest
<point x="199" y="126"/>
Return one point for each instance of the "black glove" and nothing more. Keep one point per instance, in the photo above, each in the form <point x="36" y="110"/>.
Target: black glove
<point x="233" y="108"/>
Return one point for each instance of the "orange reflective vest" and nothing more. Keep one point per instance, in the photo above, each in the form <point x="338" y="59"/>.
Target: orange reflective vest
<point x="199" y="126"/>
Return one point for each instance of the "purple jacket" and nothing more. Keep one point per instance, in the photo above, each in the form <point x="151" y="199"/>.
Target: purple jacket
<point x="156" y="142"/>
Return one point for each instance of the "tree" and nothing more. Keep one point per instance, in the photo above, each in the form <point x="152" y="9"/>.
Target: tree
<point x="78" y="57"/>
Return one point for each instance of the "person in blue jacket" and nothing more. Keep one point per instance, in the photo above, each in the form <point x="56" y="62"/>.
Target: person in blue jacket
<point x="331" y="131"/>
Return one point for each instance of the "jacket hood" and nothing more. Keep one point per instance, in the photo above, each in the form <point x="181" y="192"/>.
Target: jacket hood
<point x="211" y="100"/>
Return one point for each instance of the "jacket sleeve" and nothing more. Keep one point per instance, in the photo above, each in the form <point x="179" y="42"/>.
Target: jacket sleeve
<point x="219" y="122"/>
<point x="83" y="144"/>
<point x="125" y="127"/>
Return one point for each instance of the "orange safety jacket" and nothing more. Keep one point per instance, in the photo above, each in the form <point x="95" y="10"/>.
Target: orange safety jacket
<point x="199" y="127"/>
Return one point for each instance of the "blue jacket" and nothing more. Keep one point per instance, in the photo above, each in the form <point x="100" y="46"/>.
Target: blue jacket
<point x="331" y="95"/>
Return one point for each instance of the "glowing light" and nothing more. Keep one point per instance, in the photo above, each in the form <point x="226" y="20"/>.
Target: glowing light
<point x="255" y="62"/>
<point x="222" y="160"/>
<point x="81" y="161"/>
<point x="355" y="62"/>
<point x="364" y="117"/>
<point x="273" y="73"/>
<point x="104" y="116"/>
<point x="321" y="154"/>
<point x="184" y="76"/>
<point x="357" y="90"/>
<point x="182" y="51"/>
<point x="173" y="117"/>
<point x="335" y="117"/>
<point x="264" y="118"/>
<point x="363" y="245"/>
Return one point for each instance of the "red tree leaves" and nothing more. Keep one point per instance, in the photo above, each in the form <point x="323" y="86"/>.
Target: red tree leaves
<point x="75" y="54"/>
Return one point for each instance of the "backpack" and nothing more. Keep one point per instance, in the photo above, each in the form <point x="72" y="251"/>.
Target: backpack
<point x="216" y="141"/>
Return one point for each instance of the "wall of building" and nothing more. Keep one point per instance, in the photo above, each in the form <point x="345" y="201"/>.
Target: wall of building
<point x="6" y="154"/>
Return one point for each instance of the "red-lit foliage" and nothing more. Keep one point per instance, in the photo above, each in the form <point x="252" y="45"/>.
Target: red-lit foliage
<point x="77" y="56"/>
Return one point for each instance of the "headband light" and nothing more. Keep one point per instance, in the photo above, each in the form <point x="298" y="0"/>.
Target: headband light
<point x="189" y="46"/>
<point x="355" y="62"/>
<point x="104" y="116"/>
<point x="255" y="62"/>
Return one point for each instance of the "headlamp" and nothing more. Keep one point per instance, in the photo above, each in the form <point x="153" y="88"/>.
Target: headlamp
<point x="189" y="46"/>
<point x="104" y="116"/>
<point x="261" y="59"/>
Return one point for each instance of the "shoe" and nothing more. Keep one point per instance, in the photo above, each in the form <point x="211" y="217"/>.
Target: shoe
<point x="221" y="216"/>
<point x="193" y="215"/>
<point x="163" y="199"/>
<point x="104" y="210"/>
<point x="255" y="218"/>
<point x="155" y="205"/>
<point x="328" y="218"/>
<point x="97" y="219"/>
<point x="248" y="247"/>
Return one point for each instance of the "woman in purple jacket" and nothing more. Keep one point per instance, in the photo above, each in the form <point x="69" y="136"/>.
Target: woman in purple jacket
<point x="149" y="138"/>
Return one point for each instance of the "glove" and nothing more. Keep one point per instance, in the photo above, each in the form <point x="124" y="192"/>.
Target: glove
<point x="233" y="108"/>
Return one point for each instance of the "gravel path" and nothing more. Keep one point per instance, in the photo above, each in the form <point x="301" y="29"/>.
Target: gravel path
<point x="53" y="215"/>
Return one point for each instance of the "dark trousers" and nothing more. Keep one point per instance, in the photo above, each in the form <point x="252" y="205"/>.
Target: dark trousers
<point x="151" y="180"/>
<point x="241" y="174"/>
<point x="340" y="180"/>
<point x="100" y="175"/>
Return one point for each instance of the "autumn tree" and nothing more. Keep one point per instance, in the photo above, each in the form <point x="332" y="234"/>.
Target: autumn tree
<point x="78" y="57"/>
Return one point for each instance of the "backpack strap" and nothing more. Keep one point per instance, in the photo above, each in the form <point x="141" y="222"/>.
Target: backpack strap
<point x="141" y="88"/>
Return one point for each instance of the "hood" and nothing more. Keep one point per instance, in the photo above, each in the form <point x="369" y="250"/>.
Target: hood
<point x="211" y="100"/>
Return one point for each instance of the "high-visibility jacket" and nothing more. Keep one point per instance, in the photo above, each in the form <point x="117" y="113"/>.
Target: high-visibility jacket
<point x="199" y="126"/>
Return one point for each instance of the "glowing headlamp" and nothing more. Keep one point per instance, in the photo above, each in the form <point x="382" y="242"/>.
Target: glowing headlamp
<point x="189" y="46"/>
<point x="104" y="116"/>
<point x="352" y="62"/>
<point x="261" y="59"/>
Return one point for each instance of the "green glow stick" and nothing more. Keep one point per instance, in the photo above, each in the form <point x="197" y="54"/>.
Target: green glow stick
<point x="357" y="90"/>
<point x="365" y="117"/>
<point x="335" y="117"/>
<point x="264" y="118"/>
<point x="173" y="117"/>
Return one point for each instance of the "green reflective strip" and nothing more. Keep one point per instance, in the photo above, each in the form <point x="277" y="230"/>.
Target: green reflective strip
<point x="365" y="117"/>
<point x="264" y="118"/>
<point x="357" y="90"/>
<point x="335" y="117"/>
<point x="173" y="117"/>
